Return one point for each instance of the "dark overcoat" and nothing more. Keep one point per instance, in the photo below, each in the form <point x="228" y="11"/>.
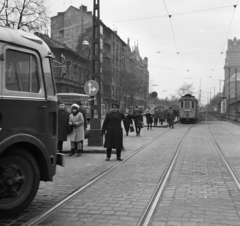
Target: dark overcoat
<point x="63" y="127"/>
<point x="114" y="135"/>
<point x="127" y="122"/>
<point x="170" y="117"/>
<point x="149" y="118"/>
<point x="138" y="119"/>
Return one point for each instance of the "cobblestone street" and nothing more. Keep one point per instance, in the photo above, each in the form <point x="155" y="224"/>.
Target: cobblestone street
<point x="199" y="192"/>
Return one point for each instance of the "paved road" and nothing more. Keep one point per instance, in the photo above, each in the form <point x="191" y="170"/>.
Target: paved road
<point x="77" y="172"/>
<point x="121" y="196"/>
<point x="200" y="191"/>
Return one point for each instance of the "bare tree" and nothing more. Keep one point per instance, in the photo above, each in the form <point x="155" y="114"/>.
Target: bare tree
<point x="28" y="15"/>
<point x="135" y="86"/>
<point x="185" y="89"/>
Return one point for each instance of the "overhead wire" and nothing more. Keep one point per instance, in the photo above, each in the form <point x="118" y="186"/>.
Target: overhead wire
<point x="176" y="14"/>
<point x="230" y="25"/>
<point x="174" y="36"/>
<point x="178" y="53"/>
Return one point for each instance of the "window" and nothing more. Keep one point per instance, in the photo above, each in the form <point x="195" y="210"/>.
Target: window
<point x="50" y="85"/>
<point x="21" y="72"/>
<point x="192" y="104"/>
<point x="187" y="104"/>
<point x="181" y="104"/>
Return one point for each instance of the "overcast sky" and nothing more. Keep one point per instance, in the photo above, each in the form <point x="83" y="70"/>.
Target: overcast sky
<point x="198" y="30"/>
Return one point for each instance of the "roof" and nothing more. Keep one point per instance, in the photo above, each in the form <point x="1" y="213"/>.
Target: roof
<point x="24" y="39"/>
<point x="52" y="43"/>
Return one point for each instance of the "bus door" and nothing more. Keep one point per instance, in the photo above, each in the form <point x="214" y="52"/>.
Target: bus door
<point x="51" y="109"/>
<point x="23" y="95"/>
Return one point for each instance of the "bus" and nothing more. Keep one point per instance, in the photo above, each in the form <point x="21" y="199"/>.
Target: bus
<point x="71" y="98"/>
<point x="28" y="119"/>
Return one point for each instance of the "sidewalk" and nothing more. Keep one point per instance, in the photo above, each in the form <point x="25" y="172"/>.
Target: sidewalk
<point x="101" y="149"/>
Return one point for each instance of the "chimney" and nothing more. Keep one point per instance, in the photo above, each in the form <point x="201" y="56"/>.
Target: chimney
<point x="83" y="8"/>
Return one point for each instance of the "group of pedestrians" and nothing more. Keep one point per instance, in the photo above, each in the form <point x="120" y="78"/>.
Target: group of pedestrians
<point x="73" y="124"/>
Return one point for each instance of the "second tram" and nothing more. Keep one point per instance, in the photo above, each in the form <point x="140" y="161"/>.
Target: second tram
<point x="188" y="109"/>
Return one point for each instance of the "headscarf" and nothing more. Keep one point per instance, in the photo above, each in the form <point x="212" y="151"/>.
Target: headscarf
<point x="75" y="106"/>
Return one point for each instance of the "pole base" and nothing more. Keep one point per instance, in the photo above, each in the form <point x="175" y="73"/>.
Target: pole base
<point x="95" y="136"/>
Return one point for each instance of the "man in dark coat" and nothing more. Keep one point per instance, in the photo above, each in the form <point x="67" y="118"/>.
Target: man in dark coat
<point x="81" y="110"/>
<point x="149" y="119"/>
<point x="127" y="122"/>
<point x="112" y="130"/>
<point x="63" y="126"/>
<point x="170" y="118"/>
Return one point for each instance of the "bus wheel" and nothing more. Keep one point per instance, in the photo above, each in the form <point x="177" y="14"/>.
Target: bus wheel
<point x="19" y="181"/>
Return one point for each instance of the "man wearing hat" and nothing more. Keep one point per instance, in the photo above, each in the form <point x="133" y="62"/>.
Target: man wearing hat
<point x="112" y="130"/>
<point x="63" y="128"/>
<point x="170" y="118"/>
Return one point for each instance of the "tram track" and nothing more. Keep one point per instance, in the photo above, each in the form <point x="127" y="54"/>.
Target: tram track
<point x="225" y="128"/>
<point x="149" y="212"/>
<point x="228" y="165"/>
<point x="159" y="189"/>
<point x="80" y="190"/>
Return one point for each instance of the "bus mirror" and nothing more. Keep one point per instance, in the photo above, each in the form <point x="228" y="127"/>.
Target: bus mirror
<point x="50" y="55"/>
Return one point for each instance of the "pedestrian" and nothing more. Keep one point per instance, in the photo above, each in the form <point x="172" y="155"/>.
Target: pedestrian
<point x="161" y="116"/>
<point x="138" y="120"/>
<point x="176" y="113"/>
<point x="127" y="122"/>
<point x="76" y="121"/>
<point x="112" y="130"/>
<point x="155" y="116"/>
<point x="63" y="126"/>
<point x="149" y="119"/>
<point x="170" y="118"/>
<point x="81" y="110"/>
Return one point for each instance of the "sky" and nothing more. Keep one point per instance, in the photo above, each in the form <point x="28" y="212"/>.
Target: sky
<point x="185" y="41"/>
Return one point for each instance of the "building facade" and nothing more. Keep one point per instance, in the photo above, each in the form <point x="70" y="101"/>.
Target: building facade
<point x="125" y="75"/>
<point x="232" y="76"/>
<point x="70" y="69"/>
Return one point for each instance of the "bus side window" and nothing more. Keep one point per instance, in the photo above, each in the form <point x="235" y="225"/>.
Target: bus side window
<point x="21" y="72"/>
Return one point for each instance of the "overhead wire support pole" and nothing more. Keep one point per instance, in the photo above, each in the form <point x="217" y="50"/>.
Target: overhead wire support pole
<point x="95" y="138"/>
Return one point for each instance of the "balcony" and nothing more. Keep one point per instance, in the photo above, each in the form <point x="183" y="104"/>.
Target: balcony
<point x="107" y="41"/>
<point x="107" y="54"/>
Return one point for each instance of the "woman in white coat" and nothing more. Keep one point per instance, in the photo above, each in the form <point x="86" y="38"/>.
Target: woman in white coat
<point x="76" y="122"/>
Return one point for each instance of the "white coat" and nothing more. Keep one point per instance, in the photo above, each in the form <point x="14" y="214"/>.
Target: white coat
<point x="78" y="132"/>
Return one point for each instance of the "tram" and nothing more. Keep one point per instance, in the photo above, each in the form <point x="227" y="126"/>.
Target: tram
<point x="188" y="109"/>
<point x="28" y="119"/>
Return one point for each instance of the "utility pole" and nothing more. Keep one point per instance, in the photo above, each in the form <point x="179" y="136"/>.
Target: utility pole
<point x="236" y="104"/>
<point x="214" y="100"/>
<point x="95" y="138"/>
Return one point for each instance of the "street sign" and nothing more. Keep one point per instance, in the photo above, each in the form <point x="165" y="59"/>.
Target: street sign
<point x="91" y="88"/>
<point x="154" y="94"/>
